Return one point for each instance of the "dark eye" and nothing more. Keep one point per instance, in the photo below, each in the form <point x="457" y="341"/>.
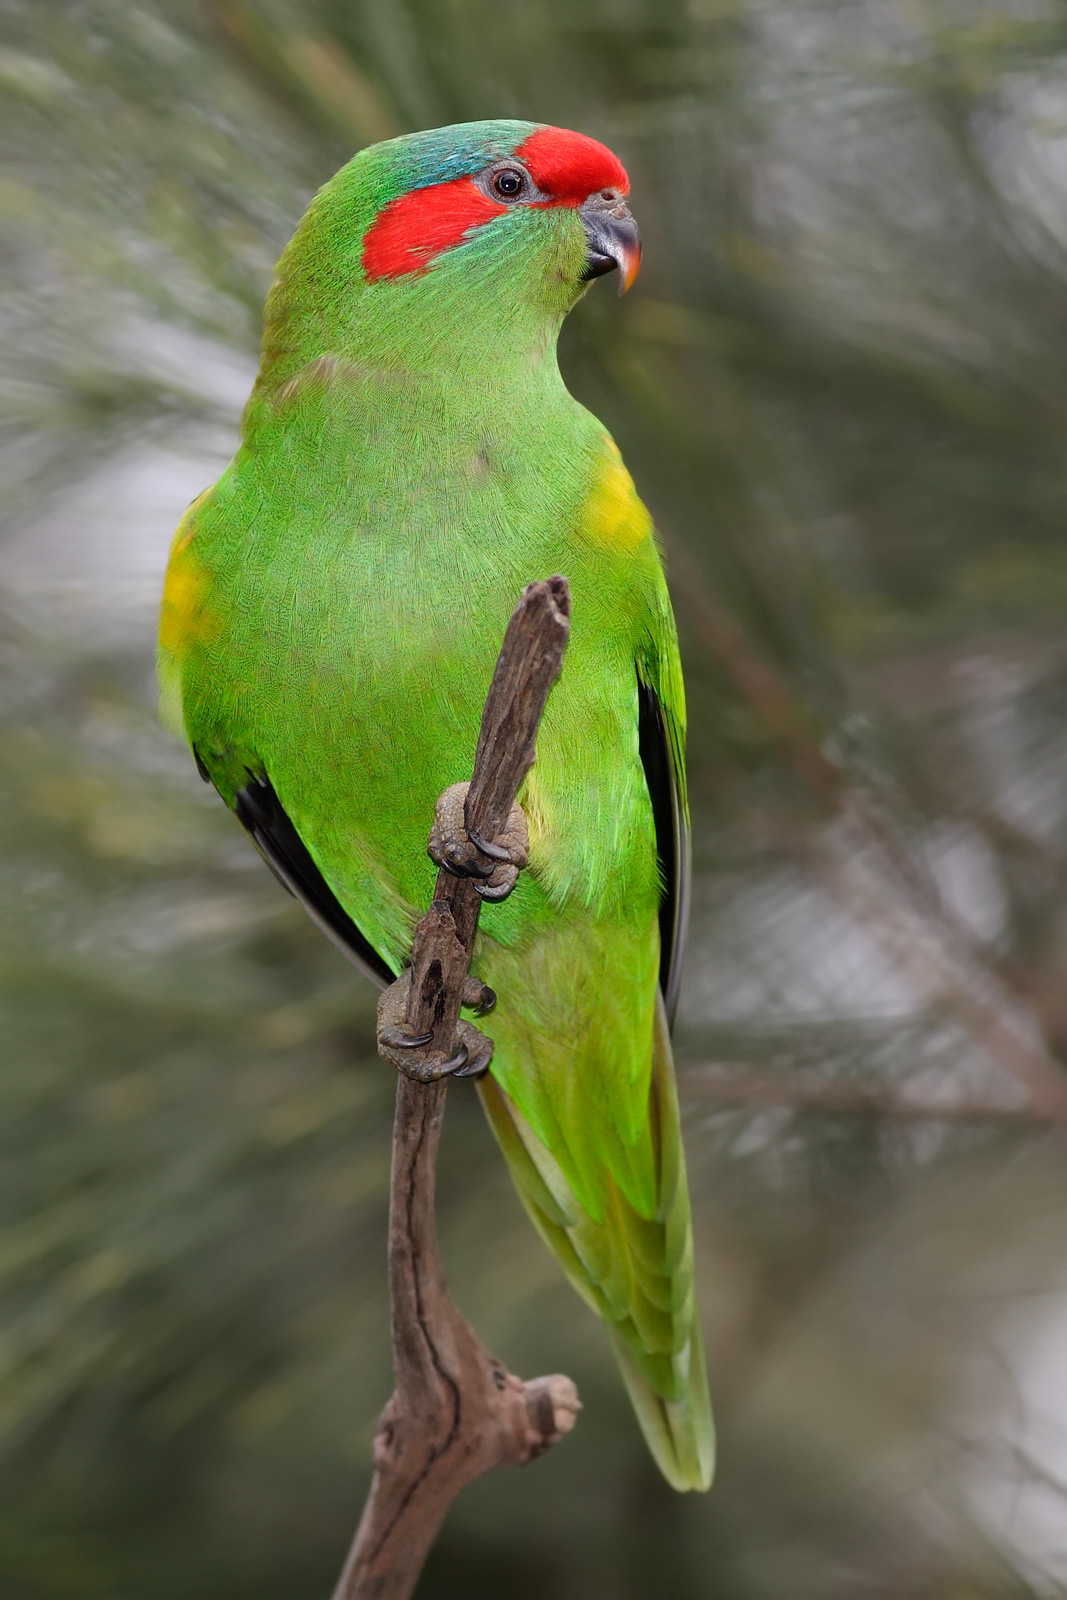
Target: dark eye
<point x="509" y="183"/>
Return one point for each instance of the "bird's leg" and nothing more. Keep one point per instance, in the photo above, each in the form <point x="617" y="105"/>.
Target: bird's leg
<point x="496" y="863"/>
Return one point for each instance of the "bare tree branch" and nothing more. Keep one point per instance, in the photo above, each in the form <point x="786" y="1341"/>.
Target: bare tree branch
<point x="456" y="1411"/>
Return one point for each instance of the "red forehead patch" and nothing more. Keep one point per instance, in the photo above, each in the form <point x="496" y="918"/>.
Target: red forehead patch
<point x="569" y="166"/>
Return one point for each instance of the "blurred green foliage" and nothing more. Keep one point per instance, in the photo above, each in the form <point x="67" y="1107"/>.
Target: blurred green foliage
<point x="840" y="385"/>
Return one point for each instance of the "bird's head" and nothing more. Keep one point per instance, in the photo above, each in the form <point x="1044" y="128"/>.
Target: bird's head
<point x="507" y="190"/>
<point x="473" y="240"/>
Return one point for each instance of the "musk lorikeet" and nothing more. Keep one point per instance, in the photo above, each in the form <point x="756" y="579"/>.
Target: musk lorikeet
<point x="409" y="460"/>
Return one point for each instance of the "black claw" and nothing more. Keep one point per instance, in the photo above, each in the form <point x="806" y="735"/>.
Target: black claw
<point x="487" y="1002"/>
<point x="472" y="869"/>
<point x="476" y="1068"/>
<point x="398" y="1040"/>
<point x="493" y="895"/>
<point x="495" y="852"/>
<point x="454" y="1065"/>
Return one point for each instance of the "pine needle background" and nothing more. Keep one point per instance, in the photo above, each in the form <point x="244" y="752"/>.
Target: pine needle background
<point x="841" y="385"/>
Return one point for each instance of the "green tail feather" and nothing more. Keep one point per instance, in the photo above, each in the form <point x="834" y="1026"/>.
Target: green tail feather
<point x="679" y="1433"/>
<point x="635" y="1272"/>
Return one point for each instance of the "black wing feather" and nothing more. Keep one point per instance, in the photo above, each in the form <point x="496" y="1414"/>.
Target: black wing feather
<point x="672" y="839"/>
<point x="265" y="819"/>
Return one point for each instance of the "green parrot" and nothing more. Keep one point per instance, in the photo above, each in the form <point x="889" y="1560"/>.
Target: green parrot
<point x="409" y="460"/>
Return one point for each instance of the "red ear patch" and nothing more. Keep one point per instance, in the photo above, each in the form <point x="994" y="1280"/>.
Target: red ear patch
<point x="569" y="166"/>
<point x="411" y="230"/>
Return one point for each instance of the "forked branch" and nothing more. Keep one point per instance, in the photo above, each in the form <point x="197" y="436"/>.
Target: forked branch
<point x="456" y="1411"/>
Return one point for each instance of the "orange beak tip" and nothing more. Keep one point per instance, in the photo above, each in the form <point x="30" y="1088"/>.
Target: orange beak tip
<point x="629" y="267"/>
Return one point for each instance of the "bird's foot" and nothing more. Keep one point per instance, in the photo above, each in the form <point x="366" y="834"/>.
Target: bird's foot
<point x="416" y="1055"/>
<point x="495" y="862"/>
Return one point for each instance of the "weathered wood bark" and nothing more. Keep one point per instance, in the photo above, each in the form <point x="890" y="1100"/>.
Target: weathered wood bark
<point x="456" y="1412"/>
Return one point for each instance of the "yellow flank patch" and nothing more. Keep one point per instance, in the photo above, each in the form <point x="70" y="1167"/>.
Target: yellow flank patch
<point x="183" y="617"/>
<point x="614" y="517"/>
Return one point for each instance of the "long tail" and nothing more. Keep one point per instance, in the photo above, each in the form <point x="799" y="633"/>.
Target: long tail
<point x="636" y="1272"/>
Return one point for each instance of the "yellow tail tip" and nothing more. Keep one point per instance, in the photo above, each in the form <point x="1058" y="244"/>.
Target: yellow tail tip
<point x="679" y="1433"/>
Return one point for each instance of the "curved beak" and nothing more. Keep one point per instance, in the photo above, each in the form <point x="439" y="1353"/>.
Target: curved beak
<point x="613" y="238"/>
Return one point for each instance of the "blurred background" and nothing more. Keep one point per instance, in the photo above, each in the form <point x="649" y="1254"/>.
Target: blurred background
<point x="841" y="385"/>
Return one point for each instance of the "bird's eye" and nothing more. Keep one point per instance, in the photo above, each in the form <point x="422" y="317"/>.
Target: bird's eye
<point x="509" y="183"/>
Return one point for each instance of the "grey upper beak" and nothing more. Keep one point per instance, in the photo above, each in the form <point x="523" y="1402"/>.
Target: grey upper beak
<point x="613" y="237"/>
